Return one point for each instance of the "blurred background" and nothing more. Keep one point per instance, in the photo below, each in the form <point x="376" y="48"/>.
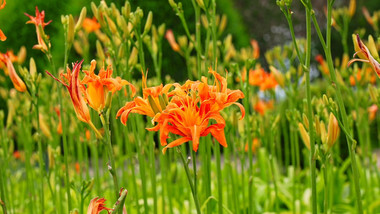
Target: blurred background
<point x="247" y="19"/>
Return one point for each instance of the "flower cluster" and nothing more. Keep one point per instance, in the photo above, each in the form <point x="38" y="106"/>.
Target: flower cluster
<point x="92" y="90"/>
<point x="187" y="110"/>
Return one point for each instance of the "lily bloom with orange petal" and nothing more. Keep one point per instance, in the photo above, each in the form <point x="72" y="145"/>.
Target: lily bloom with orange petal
<point x="261" y="106"/>
<point x="154" y="101"/>
<point x="256" y="49"/>
<point x="364" y="55"/>
<point x="16" y="80"/>
<point x="97" y="205"/>
<point x="39" y="22"/>
<point x="189" y="112"/>
<point x="2" y="36"/>
<point x="99" y="85"/>
<point x="322" y="62"/>
<point x="372" y="110"/>
<point x="269" y="83"/>
<point x="74" y="88"/>
<point x="255" y="145"/>
<point x="170" y="37"/>
<point x="257" y="76"/>
<point x="187" y="117"/>
<point x="90" y="25"/>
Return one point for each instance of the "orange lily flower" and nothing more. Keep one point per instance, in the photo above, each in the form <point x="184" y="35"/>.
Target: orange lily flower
<point x="269" y="82"/>
<point x="154" y="101"/>
<point x="322" y="62"/>
<point x="2" y="36"/>
<point x="170" y="37"/>
<point x="13" y="59"/>
<point x="261" y="106"/>
<point x="372" y="110"/>
<point x="99" y="85"/>
<point x="97" y="205"/>
<point x="16" y="80"/>
<point x="90" y="25"/>
<point x="39" y="22"/>
<point x="74" y="88"/>
<point x="256" y="77"/>
<point x="255" y="145"/>
<point x="190" y="110"/>
<point x="256" y="49"/>
<point x="364" y="55"/>
<point x="189" y="118"/>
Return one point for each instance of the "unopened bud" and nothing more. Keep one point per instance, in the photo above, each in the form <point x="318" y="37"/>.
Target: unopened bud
<point x="82" y="16"/>
<point x="148" y="23"/>
<point x="372" y="47"/>
<point x="172" y="4"/>
<point x="333" y="131"/>
<point x="223" y="24"/>
<point x="111" y="25"/>
<point x="304" y="135"/>
<point x="94" y="9"/>
<point x="21" y="55"/>
<point x="70" y="30"/>
<point x="305" y="121"/>
<point x="133" y="57"/>
<point x="32" y="69"/>
<point x="204" y="21"/>
<point x="374" y="94"/>
<point x="99" y="50"/>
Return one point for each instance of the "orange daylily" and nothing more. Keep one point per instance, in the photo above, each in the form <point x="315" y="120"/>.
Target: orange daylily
<point x="322" y="62"/>
<point x="97" y="205"/>
<point x="74" y="88"/>
<point x="364" y="55"/>
<point x="255" y="144"/>
<point x="16" y="80"/>
<point x="256" y="49"/>
<point x="261" y="106"/>
<point x="189" y="118"/>
<point x="39" y="22"/>
<point x="170" y="37"/>
<point x="99" y="85"/>
<point x="90" y="25"/>
<point x="372" y="110"/>
<point x="191" y="108"/>
<point x="154" y="101"/>
<point x="256" y="77"/>
<point x="269" y="83"/>
<point x="2" y="36"/>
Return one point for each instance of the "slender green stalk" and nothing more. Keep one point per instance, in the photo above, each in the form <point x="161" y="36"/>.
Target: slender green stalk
<point x="189" y="178"/>
<point x="306" y="68"/>
<point x="198" y="37"/>
<point x="351" y="143"/>
<point x="219" y="176"/>
<point x="113" y="170"/>
<point x="153" y="174"/>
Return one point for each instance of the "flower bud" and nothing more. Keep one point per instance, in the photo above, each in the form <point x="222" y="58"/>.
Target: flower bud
<point x="304" y="135"/>
<point x="94" y="9"/>
<point x="148" y="23"/>
<point x="333" y="131"/>
<point x="81" y="18"/>
<point x="21" y="55"/>
<point x="99" y="50"/>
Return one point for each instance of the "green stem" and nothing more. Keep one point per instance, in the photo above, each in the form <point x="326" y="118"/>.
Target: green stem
<point x="189" y="178"/>
<point x="105" y="122"/>
<point x="350" y="142"/>
<point x="219" y="176"/>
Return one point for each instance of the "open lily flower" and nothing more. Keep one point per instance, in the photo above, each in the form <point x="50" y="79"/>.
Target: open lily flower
<point x="2" y="36"/>
<point x="97" y="205"/>
<point x="364" y="55"/>
<point x="90" y="25"/>
<point x="39" y="22"/>
<point x="16" y="80"/>
<point x="99" y="85"/>
<point x="74" y="87"/>
<point x="153" y="102"/>
<point x="189" y="118"/>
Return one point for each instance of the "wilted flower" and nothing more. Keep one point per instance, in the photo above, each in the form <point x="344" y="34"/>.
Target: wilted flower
<point x="39" y="22"/>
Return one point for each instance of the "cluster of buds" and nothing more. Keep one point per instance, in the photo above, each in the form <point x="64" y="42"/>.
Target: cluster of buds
<point x="328" y="136"/>
<point x="342" y="15"/>
<point x="119" y="33"/>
